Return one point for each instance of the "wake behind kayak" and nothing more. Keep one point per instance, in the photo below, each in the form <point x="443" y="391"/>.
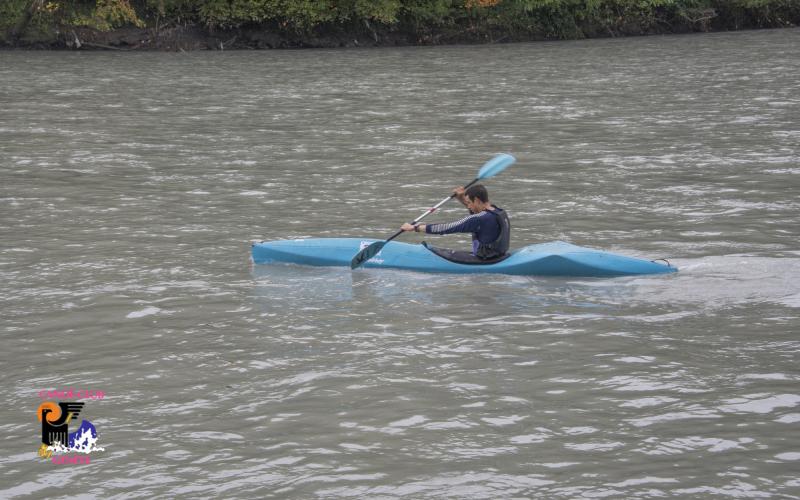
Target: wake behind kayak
<point x="555" y="258"/>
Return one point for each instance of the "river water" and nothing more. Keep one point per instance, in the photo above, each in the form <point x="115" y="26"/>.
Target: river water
<point x="131" y="186"/>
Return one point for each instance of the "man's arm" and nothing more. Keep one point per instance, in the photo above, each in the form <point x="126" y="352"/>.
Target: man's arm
<point x="458" y="192"/>
<point x="468" y="224"/>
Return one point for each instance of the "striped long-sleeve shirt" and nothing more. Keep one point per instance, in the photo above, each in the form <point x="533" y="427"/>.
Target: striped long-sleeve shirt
<point x="483" y="226"/>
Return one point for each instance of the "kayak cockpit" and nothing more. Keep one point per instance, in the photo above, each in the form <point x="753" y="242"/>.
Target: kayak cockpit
<point x="462" y="257"/>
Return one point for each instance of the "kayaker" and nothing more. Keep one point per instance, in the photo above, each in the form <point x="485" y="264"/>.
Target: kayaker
<point x="489" y="225"/>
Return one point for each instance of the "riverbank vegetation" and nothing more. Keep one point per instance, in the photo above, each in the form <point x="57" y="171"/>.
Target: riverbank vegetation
<point x="220" y="24"/>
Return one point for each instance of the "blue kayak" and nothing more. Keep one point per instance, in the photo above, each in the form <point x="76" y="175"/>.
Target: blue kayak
<point x="545" y="259"/>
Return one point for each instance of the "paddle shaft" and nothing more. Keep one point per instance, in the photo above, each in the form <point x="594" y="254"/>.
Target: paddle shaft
<point x="430" y="211"/>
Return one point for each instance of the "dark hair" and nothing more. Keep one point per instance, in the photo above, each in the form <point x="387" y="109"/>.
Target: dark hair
<point x="477" y="191"/>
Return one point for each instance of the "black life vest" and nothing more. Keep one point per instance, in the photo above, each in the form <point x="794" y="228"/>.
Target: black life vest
<point x="498" y="247"/>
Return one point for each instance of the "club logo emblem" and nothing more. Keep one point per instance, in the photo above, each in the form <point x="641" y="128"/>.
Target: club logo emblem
<point x="57" y="440"/>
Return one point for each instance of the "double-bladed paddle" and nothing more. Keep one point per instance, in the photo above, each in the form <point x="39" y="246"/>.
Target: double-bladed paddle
<point x="489" y="169"/>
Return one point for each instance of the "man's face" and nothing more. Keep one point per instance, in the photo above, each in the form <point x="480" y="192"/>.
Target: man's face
<point x="472" y="203"/>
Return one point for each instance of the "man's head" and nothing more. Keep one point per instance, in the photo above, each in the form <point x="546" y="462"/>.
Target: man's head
<point x="476" y="197"/>
<point x="477" y="191"/>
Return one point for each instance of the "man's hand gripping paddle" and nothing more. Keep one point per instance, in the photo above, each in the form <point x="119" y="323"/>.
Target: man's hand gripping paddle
<point x="489" y="169"/>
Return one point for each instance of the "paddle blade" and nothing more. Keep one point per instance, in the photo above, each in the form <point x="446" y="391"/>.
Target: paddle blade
<point x="366" y="254"/>
<point x="496" y="165"/>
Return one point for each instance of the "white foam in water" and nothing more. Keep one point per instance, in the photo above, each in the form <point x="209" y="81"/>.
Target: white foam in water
<point x="763" y="405"/>
<point x="635" y="359"/>
<point x="598" y="446"/>
<point x="766" y="376"/>
<point x="644" y="480"/>
<point x="651" y="401"/>
<point x="502" y="421"/>
<point x="531" y="438"/>
<point x="408" y="422"/>
<point x="699" y="413"/>
<point x="693" y="443"/>
<point x="147" y="311"/>
<point x="791" y="300"/>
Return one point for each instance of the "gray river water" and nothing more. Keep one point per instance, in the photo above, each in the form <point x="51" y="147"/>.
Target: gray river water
<point x="131" y="186"/>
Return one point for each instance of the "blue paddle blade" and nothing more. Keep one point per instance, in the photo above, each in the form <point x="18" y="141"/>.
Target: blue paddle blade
<point x="367" y="253"/>
<point x="496" y="165"/>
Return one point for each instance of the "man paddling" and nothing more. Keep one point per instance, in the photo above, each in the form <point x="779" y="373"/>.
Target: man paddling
<point x="489" y="225"/>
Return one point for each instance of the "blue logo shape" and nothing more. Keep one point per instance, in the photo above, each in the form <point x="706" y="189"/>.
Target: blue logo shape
<point x="83" y="437"/>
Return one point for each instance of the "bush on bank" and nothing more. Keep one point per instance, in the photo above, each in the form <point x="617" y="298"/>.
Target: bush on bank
<point x="323" y="22"/>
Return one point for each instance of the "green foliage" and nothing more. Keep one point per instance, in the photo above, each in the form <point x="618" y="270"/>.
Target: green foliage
<point x="173" y="9"/>
<point x="432" y="12"/>
<point x="381" y="11"/>
<point x="105" y="15"/>
<point x="304" y="15"/>
<point x="11" y="13"/>
<point x="427" y="20"/>
<point x="230" y="13"/>
<point x="298" y="15"/>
